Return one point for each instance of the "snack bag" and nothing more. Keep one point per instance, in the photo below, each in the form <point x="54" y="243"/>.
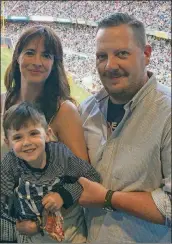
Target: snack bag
<point x="53" y="225"/>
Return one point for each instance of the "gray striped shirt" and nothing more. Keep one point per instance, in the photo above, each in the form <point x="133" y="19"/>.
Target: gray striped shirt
<point x="135" y="157"/>
<point x="60" y="174"/>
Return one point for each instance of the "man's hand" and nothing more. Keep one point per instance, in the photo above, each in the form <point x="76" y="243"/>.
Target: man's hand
<point x="26" y="227"/>
<point x="52" y="202"/>
<point x="93" y="194"/>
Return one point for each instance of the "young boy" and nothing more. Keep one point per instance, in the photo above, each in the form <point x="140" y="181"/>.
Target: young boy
<point x="37" y="174"/>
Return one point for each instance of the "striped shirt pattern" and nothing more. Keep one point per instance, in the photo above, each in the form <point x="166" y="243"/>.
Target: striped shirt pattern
<point x="60" y="174"/>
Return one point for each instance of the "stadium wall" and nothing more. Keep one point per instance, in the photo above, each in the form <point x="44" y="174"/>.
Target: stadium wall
<point x="158" y="34"/>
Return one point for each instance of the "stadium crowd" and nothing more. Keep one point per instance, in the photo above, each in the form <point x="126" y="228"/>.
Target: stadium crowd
<point x="155" y="14"/>
<point x="80" y="38"/>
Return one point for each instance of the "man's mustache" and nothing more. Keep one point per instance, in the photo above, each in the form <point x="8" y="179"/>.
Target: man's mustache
<point x="115" y="74"/>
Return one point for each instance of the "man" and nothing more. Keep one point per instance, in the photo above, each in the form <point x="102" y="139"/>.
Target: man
<point x="128" y="134"/>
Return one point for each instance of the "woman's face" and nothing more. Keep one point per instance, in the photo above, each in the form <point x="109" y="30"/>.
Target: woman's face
<point x="34" y="62"/>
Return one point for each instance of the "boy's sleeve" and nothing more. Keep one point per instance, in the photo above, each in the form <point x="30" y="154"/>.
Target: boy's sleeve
<point x="7" y="184"/>
<point x="7" y="176"/>
<point x="74" y="169"/>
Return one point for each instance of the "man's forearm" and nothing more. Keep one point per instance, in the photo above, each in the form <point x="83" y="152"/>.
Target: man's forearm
<point x="139" y="204"/>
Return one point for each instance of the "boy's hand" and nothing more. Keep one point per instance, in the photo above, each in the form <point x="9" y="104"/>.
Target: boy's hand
<point x="26" y="227"/>
<point x="52" y="202"/>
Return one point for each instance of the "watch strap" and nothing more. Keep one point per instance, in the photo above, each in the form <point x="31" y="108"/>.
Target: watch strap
<point x="107" y="201"/>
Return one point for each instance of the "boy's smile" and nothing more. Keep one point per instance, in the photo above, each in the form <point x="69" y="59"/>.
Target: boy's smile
<point x="28" y="143"/>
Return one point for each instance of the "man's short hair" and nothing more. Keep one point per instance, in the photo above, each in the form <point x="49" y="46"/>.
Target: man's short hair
<point x="18" y="116"/>
<point x="126" y="19"/>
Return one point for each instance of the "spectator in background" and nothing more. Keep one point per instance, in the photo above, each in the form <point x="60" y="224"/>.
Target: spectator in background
<point x="156" y="14"/>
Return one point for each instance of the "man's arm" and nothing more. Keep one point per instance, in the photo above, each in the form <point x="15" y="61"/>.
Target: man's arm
<point x="153" y="206"/>
<point x="139" y="204"/>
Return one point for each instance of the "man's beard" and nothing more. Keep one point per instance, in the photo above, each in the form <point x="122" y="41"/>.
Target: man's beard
<point x="123" y="95"/>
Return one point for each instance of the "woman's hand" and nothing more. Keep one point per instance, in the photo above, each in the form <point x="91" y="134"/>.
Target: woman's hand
<point x="26" y="227"/>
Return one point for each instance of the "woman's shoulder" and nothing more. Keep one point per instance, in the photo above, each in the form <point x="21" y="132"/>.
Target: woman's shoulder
<point x="67" y="105"/>
<point x="3" y="96"/>
<point x="67" y="126"/>
<point x="67" y="110"/>
<point x="64" y="107"/>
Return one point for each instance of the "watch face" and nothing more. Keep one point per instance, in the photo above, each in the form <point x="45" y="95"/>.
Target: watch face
<point x="108" y="209"/>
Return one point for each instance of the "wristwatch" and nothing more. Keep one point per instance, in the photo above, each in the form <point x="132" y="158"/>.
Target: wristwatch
<point x="107" y="203"/>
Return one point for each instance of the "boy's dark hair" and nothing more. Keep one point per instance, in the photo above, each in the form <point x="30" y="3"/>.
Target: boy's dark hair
<point x="126" y="19"/>
<point x="19" y="115"/>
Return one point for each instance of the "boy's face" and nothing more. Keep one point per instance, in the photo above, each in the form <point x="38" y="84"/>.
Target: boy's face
<point x="28" y="142"/>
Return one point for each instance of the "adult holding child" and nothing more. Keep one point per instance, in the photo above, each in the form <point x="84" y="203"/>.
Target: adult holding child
<point x="36" y="74"/>
<point x="127" y="127"/>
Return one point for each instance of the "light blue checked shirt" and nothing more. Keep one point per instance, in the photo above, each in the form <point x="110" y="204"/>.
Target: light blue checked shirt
<point x="135" y="157"/>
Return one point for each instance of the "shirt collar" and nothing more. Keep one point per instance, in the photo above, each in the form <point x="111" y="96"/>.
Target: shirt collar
<point x="147" y="88"/>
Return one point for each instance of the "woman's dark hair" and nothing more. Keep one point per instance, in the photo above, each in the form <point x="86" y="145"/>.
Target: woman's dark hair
<point x="56" y="86"/>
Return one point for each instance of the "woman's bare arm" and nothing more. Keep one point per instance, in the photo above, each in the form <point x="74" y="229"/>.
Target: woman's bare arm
<point x="67" y="126"/>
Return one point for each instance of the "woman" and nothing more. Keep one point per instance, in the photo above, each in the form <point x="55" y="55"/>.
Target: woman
<point x="37" y="74"/>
